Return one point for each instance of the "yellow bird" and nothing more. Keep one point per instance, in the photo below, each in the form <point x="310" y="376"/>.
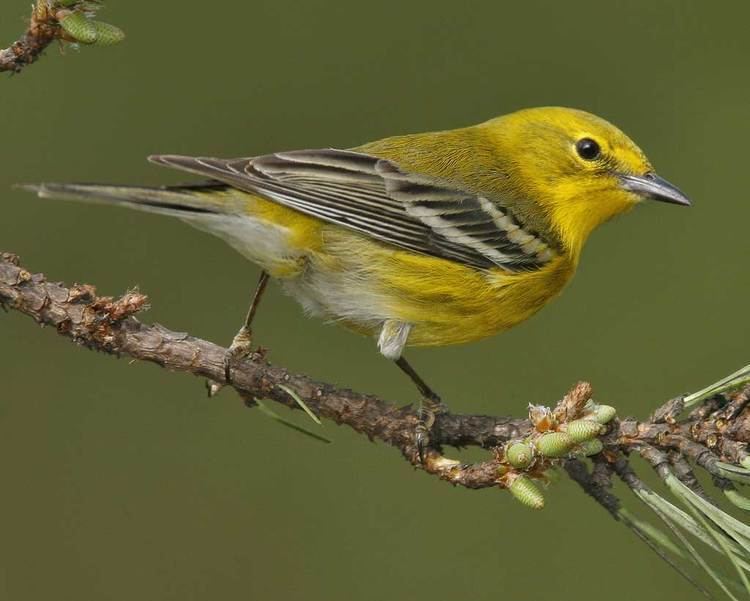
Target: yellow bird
<point x="423" y="239"/>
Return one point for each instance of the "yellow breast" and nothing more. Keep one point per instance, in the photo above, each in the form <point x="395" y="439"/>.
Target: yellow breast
<point x="449" y="303"/>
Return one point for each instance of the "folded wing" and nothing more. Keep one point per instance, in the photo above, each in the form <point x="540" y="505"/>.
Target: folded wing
<point x="375" y="197"/>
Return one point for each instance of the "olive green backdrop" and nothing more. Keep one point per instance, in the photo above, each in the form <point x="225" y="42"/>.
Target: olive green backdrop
<point x="124" y="482"/>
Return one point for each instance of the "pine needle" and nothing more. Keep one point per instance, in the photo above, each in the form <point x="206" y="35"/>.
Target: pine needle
<point x="728" y="384"/>
<point x="737" y="499"/>
<point x="301" y="403"/>
<point x="284" y="422"/>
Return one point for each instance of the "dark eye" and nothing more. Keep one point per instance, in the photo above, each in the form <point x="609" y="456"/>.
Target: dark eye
<point x="588" y="149"/>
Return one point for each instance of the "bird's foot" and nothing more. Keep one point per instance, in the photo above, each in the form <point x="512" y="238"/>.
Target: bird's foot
<point x="239" y="349"/>
<point x="429" y="408"/>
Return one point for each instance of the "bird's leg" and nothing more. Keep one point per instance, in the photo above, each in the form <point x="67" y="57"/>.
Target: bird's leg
<point x="240" y="346"/>
<point x="391" y="342"/>
<point x="429" y="406"/>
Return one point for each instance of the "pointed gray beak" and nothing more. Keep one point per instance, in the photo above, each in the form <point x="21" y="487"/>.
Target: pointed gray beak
<point x="654" y="187"/>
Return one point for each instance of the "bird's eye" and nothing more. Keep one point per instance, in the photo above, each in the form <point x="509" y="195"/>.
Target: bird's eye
<point x="588" y="149"/>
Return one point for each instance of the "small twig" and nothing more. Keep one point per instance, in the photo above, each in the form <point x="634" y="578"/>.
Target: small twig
<point x="43" y="29"/>
<point x="62" y="20"/>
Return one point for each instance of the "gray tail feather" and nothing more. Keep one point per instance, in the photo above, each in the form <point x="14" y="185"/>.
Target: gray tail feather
<point x="179" y="201"/>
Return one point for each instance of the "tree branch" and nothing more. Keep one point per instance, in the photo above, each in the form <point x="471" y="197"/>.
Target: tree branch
<point x="713" y="436"/>
<point x="108" y="325"/>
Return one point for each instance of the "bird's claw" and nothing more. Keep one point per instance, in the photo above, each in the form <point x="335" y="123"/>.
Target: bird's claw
<point x="422" y="441"/>
<point x="239" y="349"/>
<point x="428" y="409"/>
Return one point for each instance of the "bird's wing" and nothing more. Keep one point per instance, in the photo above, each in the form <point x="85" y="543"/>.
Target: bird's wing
<point x="375" y="197"/>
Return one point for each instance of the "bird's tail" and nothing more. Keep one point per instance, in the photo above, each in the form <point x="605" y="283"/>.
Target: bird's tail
<point x="178" y="201"/>
<point x="211" y="207"/>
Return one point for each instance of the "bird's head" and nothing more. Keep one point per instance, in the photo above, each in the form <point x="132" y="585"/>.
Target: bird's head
<point x="579" y="169"/>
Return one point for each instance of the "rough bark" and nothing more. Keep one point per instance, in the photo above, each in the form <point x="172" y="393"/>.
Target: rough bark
<point x="716" y="431"/>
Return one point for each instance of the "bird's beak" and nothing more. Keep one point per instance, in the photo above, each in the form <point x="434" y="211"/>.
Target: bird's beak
<point x="654" y="187"/>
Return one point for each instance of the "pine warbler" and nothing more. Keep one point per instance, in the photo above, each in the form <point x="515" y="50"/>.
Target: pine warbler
<point x="423" y="239"/>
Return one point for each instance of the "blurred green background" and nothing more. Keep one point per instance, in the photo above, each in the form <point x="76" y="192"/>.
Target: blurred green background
<point x="125" y="482"/>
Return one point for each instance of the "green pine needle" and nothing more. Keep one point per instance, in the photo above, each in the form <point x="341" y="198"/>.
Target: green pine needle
<point x="284" y="422"/>
<point x="301" y="403"/>
<point x="731" y="472"/>
<point x="732" y="382"/>
<point x="737" y="499"/>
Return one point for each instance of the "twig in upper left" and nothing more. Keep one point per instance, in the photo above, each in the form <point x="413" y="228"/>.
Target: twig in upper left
<point x="64" y="20"/>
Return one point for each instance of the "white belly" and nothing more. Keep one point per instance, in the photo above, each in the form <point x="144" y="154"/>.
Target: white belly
<point x="347" y="293"/>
